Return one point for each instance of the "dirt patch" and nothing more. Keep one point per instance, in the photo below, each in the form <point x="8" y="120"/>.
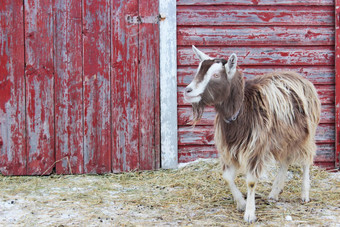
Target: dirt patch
<point x="194" y="194"/>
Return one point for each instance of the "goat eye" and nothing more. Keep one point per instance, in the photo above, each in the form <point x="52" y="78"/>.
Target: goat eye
<point x="216" y="75"/>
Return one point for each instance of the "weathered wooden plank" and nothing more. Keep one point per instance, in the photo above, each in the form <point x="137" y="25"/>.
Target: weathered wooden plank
<point x="337" y="81"/>
<point x="12" y="92"/>
<point x="185" y="115"/>
<point x="204" y="135"/>
<point x="39" y="86"/>
<point x="315" y="74"/>
<point x="168" y="99"/>
<point x="271" y="55"/>
<point x="68" y="86"/>
<point x="326" y="94"/>
<point x="330" y="166"/>
<point x="258" y="2"/>
<point x="324" y="153"/>
<point x="124" y="87"/>
<point x="256" y="35"/>
<point x="97" y="127"/>
<point x="198" y="135"/>
<point x="327" y="114"/>
<point x="191" y="153"/>
<point x="260" y="15"/>
<point x="148" y="87"/>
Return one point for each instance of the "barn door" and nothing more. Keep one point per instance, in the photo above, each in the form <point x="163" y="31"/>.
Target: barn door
<point x="79" y="86"/>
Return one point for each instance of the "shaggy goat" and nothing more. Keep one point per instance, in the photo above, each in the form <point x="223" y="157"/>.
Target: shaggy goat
<point x="270" y="117"/>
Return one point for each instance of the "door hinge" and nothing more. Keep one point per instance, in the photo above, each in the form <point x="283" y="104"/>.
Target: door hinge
<point x="144" y="20"/>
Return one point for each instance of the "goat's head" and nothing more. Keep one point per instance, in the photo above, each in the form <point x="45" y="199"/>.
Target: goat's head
<point x="212" y="82"/>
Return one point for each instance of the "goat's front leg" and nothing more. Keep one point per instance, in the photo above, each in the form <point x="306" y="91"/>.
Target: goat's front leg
<point x="229" y="175"/>
<point x="249" y="214"/>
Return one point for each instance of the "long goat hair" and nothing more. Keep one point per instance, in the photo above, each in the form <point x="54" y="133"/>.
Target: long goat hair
<point x="270" y="117"/>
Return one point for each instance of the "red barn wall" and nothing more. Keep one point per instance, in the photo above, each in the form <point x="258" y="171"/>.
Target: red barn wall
<point x="265" y="35"/>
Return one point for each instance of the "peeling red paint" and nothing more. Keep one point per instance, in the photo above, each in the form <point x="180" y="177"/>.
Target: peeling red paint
<point x="69" y="85"/>
<point x="203" y="135"/>
<point x="257" y="2"/>
<point x="258" y="55"/>
<point x="96" y="90"/>
<point x="326" y="94"/>
<point x="124" y="83"/>
<point x="266" y="36"/>
<point x="76" y="79"/>
<point x="12" y="80"/>
<point x="39" y="86"/>
<point x="337" y="82"/>
<point x="149" y="150"/>
<point x="254" y="15"/>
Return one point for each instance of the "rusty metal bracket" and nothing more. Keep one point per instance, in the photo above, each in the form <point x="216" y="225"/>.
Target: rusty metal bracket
<point x="144" y="20"/>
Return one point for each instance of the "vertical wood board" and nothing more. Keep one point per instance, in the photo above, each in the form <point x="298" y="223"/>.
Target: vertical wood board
<point x="96" y="66"/>
<point x="39" y="86"/>
<point x="337" y="82"/>
<point x="124" y="87"/>
<point x="148" y="86"/>
<point x="12" y="89"/>
<point x="68" y="86"/>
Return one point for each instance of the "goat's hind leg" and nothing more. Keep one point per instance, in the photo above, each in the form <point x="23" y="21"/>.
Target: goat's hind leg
<point x="229" y="174"/>
<point x="309" y="149"/>
<point x="305" y="183"/>
<point x="278" y="182"/>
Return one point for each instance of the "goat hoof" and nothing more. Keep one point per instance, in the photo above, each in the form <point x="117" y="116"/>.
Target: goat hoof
<point x="273" y="198"/>
<point x="305" y="200"/>
<point x="250" y="218"/>
<point x="241" y="206"/>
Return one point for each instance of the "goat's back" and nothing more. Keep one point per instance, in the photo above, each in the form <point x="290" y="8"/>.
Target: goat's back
<point x="288" y="94"/>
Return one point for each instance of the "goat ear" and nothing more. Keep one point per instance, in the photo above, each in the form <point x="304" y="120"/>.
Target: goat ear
<point x="202" y="56"/>
<point x="230" y="67"/>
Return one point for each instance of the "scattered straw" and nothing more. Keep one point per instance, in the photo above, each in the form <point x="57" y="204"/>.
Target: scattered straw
<point x="51" y="166"/>
<point x="193" y="195"/>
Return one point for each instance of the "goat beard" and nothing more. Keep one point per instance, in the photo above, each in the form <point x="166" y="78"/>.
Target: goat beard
<point x="197" y="110"/>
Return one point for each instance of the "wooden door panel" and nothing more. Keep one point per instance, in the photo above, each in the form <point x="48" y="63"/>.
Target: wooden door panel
<point x="124" y="87"/>
<point x="68" y="86"/>
<point x="96" y="57"/>
<point x="148" y="83"/>
<point x="12" y="92"/>
<point x="39" y="73"/>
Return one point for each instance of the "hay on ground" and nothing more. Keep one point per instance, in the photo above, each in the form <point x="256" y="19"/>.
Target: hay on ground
<point x="193" y="195"/>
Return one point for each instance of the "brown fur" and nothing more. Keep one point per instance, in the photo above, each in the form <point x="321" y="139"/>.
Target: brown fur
<point x="278" y="116"/>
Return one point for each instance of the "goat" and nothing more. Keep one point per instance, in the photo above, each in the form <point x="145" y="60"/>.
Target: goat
<point x="269" y="117"/>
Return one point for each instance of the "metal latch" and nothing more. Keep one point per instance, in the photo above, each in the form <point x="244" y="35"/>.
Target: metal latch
<point x="144" y="20"/>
